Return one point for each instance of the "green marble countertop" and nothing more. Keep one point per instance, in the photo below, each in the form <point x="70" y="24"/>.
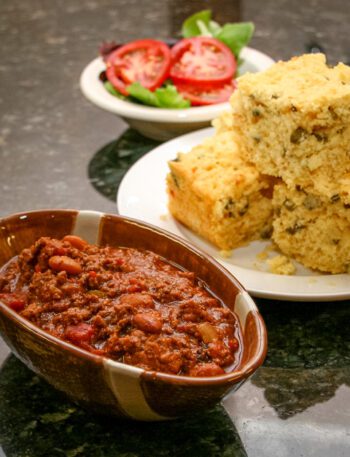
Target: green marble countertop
<point x="36" y="420"/>
<point x="307" y="363"/>
<point x="298" y="403"/>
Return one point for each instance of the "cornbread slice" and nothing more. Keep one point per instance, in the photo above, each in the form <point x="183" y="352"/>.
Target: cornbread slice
<point x="217" y="194"/>
<point x="313" y="229"/>
<point x="294" y="119"/>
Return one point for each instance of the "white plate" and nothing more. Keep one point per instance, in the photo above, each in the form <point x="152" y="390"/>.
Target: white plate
<point x="142" y="195"/>
<point x="92" y="88"/>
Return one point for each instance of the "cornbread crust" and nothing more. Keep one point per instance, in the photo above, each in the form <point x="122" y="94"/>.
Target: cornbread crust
<point x="217" y="194"/>
<point x="312" y="229"/>
<point x="294" y="120"/>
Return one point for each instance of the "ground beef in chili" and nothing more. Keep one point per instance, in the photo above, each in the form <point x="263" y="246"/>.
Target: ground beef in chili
<point x="126" y="304"/>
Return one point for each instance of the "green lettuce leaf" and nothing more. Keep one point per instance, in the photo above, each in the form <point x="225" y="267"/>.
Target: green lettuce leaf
<point x="143" y="95"/>
<point x="169" y="97"/>
<point x="113" y="91"/>
<point x="163" y="97"/>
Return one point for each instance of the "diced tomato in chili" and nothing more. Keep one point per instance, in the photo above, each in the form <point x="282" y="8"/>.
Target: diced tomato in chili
<point x="233" y="344"/>
<point x="60" y="251"/>
<point x="15" y="301"/>
<point x="81" y="333"/>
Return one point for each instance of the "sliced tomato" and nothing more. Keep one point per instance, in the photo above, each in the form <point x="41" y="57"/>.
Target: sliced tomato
<point x="144" y="61"/>
<point x="114" y="79"/>
<point x="206" y="96"/>
<point x="202" y="61"/>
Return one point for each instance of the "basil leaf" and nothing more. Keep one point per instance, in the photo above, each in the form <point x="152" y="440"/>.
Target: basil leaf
<point x="195" y="24"/>
<point x="169" y="97"/>
<point x="113" y="91"/>
<point x="214" y="27"/>
<point x="236" y="36"/>
<point x="143" y="95"/>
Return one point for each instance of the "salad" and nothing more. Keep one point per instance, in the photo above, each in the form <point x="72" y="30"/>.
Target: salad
<point x="198" y="69"/>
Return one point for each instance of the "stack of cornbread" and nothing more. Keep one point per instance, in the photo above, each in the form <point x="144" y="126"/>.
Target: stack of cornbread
<point x="292" y="123"/>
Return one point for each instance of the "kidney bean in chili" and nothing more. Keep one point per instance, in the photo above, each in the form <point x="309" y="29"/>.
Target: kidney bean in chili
<point x="129" y="305"/>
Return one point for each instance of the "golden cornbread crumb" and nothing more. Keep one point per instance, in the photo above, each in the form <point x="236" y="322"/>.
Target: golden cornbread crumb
<point x="294" y="120"/>
<point x="225" y="254"/>
<point x="215" y="192"/>
<point x="313" y="229"/>
<point x="263" y="255"/>
<point x="281" y="265"/>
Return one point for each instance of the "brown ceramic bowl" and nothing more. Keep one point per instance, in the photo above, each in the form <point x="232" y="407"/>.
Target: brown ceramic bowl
<point x="104" y="385"/>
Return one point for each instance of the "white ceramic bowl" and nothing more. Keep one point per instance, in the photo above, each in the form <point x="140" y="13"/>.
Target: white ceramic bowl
<point x="157" y="123"/>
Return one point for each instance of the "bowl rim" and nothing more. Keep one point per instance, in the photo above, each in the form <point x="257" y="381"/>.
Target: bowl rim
<point x="244" y="372"/>
<point x="94" y="91"/>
